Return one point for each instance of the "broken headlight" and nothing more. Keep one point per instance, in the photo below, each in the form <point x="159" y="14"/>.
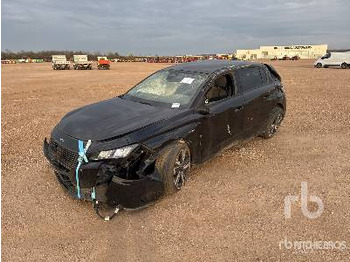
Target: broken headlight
<point x="116" y="153"/>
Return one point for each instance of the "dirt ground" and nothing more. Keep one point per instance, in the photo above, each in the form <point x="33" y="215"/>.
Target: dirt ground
<point x="231" y="209"/>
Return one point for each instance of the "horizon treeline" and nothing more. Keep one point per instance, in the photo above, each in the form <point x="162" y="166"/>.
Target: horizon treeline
<point x="47" y="54"/>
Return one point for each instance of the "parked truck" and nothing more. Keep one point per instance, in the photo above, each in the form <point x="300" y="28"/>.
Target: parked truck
<point x="341" y="59"/>
<point x="103" y="63"/>
<point x="81" y="62"/>
<point x="59" y="62"/>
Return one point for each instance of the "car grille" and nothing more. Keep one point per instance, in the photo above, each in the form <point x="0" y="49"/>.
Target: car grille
<point x="64" y="156"/>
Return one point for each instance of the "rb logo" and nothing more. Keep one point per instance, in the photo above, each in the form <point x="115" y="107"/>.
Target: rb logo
<point x="304" y="200"/>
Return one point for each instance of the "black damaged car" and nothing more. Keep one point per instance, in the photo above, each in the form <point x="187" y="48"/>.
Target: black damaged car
<point x="128" y="151"/>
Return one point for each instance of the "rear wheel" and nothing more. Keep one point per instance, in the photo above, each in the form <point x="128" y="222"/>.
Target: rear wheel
<point x="344" y="65"/>
<point x="173" y="165"/>
<point x="273" y="122"/>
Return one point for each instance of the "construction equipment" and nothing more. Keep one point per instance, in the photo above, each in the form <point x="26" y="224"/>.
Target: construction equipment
<point x="81" y="62"/>
<point x="59" y="62"/>
<point x="103" y="63"/>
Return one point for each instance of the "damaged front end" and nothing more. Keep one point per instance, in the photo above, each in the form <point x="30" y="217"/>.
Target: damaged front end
<point x="128" y="182"/>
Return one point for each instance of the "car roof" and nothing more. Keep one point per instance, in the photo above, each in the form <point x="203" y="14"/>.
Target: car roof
<point x="211" y="66"/>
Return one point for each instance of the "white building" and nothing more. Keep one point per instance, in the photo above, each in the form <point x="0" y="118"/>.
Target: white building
<point x="270" y="52"/>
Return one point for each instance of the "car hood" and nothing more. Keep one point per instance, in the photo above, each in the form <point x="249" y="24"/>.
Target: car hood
<point x="111" y="118"/>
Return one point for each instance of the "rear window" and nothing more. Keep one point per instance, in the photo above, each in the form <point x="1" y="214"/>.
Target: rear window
<point x="249" y="78"/>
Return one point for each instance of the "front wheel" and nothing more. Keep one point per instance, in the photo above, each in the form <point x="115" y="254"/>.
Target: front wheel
<point x="318" y="65"/>
<point x="173" y="165"/>
<point x="273" y="122"/>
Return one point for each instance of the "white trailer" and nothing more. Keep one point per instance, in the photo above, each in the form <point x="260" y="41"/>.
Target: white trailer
<point x="81" y="62"/>
<point x="59" y="62"/>
<point x="341" y="59"/>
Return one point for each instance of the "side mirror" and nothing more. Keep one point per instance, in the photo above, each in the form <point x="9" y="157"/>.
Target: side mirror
<point x="203" y="110"/>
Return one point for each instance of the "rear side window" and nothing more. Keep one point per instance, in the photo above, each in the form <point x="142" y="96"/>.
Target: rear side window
<point x="273" y="72"/>
<point x="265" y="75"/>
<point x="249" y="79"/>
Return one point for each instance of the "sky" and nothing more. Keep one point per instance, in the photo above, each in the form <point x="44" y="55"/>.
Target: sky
<point x="150" y="27"/>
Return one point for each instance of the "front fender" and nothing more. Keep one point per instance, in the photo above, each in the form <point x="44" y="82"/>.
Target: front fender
<point x="187" y="133"/>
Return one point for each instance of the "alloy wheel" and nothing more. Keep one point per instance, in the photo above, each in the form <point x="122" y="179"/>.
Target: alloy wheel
<point x="275" y="124"/>
<point x="181" y="168"/>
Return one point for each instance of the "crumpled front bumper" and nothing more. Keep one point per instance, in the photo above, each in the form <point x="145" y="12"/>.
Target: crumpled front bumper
<point x="109" y="188"/>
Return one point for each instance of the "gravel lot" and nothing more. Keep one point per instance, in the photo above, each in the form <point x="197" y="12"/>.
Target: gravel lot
<point x="231" y="209"/>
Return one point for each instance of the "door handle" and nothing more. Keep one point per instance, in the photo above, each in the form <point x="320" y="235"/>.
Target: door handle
<point x="237" y="109"/>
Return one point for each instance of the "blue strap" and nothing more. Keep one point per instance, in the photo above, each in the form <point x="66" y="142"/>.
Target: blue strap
<point x="82" y="151"/>
<point x="82" y="157"/>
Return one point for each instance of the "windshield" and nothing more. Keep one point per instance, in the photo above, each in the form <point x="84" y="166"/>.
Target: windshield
<point x="177" y="88"/>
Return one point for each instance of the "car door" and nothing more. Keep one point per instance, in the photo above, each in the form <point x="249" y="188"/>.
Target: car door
<point x="331" y="60"/>
<point x="256" y="93"/>
<point x="235" y="114"/>
<point x="214" y="132"/>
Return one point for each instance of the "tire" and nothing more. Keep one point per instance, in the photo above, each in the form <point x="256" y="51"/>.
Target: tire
<point x="173" y="165"/>
<point x="273" y="122"/>
<point x="318" y="65"/>
<point x="344" y="66"/>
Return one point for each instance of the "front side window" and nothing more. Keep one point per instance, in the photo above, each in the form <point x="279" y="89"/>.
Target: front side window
<point x="221" y="89"/>
<point x="249" y="79"/>
<point x="169" y="86"/>
<point x="326" y="56"/>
